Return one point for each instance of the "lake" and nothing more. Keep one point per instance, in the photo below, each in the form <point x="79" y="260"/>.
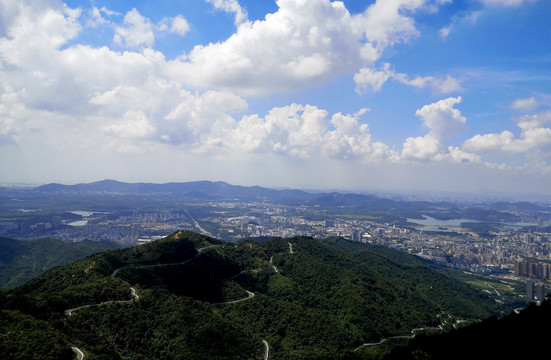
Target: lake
<point x="78" y="223"/>
<point x="433" y="224"/>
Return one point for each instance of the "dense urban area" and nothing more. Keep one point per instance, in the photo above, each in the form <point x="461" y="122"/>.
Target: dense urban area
<point x="450" y="245"/>
<point x="509" y="240"/>
<point x="494" y="254"/>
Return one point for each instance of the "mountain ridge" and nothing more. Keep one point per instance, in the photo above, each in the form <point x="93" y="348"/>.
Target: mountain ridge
<point x="310" y="297"/>
<point x="359" y="203"/>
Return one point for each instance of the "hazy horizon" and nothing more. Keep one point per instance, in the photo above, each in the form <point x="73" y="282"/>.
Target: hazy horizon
<point x="376" y="96"/>
<point x="403" y="194"/>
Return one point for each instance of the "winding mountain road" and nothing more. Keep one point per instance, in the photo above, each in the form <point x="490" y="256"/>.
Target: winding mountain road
<point x="267" y="349"/>
<point x="133" y="292"/>
<point x="168" y="264"/>
<point x="80" y="354"/>
<point x="440" y="327"/>
<point x="250" y="295"/>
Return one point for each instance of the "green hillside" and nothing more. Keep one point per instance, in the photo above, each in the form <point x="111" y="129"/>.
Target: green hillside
<point x="515" y="336"/>
<point x="200" y="298"/>
<point x="21" y="260"/>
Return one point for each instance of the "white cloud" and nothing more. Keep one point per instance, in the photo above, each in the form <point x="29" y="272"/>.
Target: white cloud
<point x="96" y="18"/>
<point x="306" y="132"/>
<point x="438" y="85"/>
<point x="506" y="2"/>
<point x="445" y="31"/>
<point x="134" y="124"/>
<point x="385" y="24"/>
<point x="137" y="31"/>
<point x="179" y="25"/>
<point x="533" y="135"/>
<point x="176" y="25"/>
<point x="421" y="148"/>
<point x="457" y="155"/>
<point x="201" y="121"/>
<point x="129" y="95"/>
<point x="368" y="79"/>
<point x="65" y="100"/>
<point x="442" y="118"/>
<point x="443" y="121"/>
<point x="232" y="7"/>
<point x="304" y="43"/>
<point x="524" y="104"/>
<point x="469" y="17"/>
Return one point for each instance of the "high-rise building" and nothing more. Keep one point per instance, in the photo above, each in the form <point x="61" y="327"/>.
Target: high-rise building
<point x="518" y="268"/>
<point x="540" y="292"/>
<point x="525" y="268"/>
<point x="529" y="291"/>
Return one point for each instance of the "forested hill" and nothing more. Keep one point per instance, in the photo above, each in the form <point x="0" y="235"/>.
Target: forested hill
<point x="515" y="336"/>
<point x="20" y="260"/>
<point x="189" y="296"/>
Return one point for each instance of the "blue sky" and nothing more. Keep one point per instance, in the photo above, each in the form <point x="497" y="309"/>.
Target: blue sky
<point x="391" y="95"/>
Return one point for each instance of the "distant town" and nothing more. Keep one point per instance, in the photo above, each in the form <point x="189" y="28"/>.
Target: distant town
<point x="506" y="251"/>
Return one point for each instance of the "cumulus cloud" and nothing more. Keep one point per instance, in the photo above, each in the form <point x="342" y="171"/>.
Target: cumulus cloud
<point x="176" y="25"/>
<point x="385" y="22"/>
<point x="201" y="120"/>
<point x="135" y="101"/>
<point x="232" y="7"/>
<point x="96" y="18"/>
<point x="126" y="95"/>
<point x="137" y="96"/>
<point x="524" y="104"/>
<point x="304" y="43"/>
<point x="134" y="124"/>
<point x="533" y="135"/>
<point x="443" y="121"/>
<point x="371" y="80"/>
<point x="179" y="25"/>
<point x="136" y="31"/>
<point x="305" y="131"/>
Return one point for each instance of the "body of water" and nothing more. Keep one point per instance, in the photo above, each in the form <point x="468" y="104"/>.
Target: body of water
<point x="78" y="223"/>
<point x="433" y="224"/>
<point x="82" y="213"/>
<point x="430" y="221"/>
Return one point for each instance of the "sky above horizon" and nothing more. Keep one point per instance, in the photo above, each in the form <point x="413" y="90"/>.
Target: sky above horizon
<point x="391" y="95"/>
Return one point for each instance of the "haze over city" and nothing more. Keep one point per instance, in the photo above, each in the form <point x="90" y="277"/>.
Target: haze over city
<point x="357" y="95"/>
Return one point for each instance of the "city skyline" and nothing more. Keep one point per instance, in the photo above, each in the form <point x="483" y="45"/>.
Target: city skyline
<point x="431" y="95"/>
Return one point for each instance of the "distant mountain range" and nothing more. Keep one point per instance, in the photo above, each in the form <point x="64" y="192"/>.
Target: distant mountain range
<point x="354" y="203"/>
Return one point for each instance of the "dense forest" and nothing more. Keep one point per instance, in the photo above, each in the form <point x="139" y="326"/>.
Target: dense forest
<point x="21" y="260"/>
<point x="515" y="336"/>
<point x="189" y="296"/>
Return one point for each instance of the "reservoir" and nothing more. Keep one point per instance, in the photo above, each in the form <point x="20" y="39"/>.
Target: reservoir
<point x="78" y="223"/>
<point x="82" y="213"/>
<point x="430" y="221"/>
<point x="432" y="224"/>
